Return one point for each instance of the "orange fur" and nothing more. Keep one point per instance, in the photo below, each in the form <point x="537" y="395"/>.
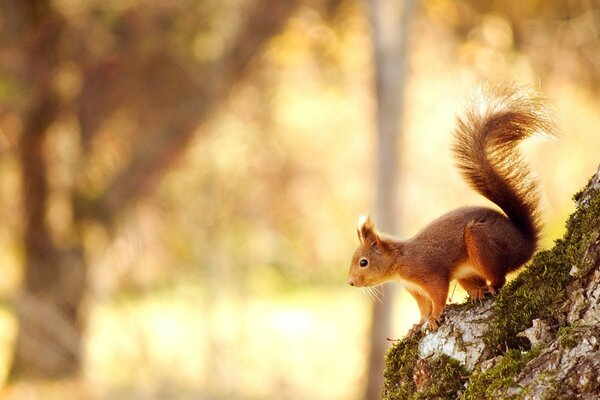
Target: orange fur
<point x="474" y="245"/>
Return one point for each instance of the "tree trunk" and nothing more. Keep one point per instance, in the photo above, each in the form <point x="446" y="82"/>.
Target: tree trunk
<point x="49" y="339"/>
<point x="389" y="21"/>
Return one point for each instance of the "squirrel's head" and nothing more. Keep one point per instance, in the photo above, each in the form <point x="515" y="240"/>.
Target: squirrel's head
<point x="372" y="262"/>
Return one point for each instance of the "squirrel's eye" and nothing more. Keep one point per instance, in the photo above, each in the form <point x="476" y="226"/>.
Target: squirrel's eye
<point x="363" y="262"/>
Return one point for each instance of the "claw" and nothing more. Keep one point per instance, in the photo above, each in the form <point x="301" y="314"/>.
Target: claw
<point x="482" y="292"/>
<point x="477" y="294"/>
<point x="433" y="323"/>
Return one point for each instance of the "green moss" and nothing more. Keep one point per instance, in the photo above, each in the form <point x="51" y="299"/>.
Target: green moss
<point x="447" y="379"/>
<point x="494" y="382"/>
<point x="400" y="363"/>
<point x="540" y="289"/>
<point x="570" y="336"/>
<point x="583" y="229"/>
<point x="535" y="293"/>
<point x="442" y="377"/>
<point x="577" y="196"/>
<point x="567" y="337"/>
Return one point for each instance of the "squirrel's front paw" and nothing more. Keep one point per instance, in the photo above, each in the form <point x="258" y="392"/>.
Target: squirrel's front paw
<point x="433" y="323"/>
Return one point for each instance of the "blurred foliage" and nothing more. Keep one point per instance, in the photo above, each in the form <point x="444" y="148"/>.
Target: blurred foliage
<point x="233" y="268"/>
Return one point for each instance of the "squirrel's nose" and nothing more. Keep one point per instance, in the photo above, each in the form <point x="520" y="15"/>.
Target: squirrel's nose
<point x="351" y="282"/>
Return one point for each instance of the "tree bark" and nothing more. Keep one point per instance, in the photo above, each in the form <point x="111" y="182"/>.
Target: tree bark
<point x="389" y="22"/>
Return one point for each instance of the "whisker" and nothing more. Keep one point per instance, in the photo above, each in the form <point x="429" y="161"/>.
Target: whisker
<point x="380" y="290"/>
<point x="366" y="291"/>
<point x="376" y="294"/>
<point x="371" y="294"/>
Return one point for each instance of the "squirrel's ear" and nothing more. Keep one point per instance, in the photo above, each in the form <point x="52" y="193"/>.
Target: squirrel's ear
<point x="366" y="230"/>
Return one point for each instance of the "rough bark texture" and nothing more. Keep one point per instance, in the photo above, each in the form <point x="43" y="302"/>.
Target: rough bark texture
<point x="538" y="339"/>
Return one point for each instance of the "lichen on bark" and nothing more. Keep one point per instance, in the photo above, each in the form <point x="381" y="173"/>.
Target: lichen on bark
<point x="486" y="350"/>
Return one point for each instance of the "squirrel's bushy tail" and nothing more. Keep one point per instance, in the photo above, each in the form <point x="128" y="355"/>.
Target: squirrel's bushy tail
<point x="497" y="118"/>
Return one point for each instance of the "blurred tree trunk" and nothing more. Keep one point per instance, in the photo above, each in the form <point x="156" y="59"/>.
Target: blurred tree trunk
<point x="389" y="23"/>
<point x="49" y="339"/>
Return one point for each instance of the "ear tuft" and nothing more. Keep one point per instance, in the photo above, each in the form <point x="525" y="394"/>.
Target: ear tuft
<point x="364" y="219"/>
<point x="365" y="228"/>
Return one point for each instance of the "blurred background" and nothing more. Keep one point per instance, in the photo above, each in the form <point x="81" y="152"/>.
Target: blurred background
<point x="180" y="181"/>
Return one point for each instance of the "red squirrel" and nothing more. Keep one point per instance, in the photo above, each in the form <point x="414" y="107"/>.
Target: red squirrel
<point x="477" y="246"/>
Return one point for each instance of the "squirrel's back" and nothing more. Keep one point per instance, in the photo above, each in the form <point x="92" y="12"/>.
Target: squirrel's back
<point x="497" y="118"/>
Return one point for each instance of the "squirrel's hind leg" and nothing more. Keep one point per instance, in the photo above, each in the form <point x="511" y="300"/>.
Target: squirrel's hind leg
<point x="485" y="254"/>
